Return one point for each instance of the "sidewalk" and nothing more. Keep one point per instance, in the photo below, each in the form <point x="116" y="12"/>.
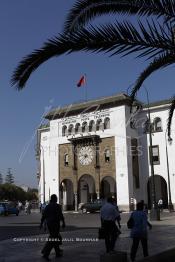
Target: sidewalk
<point x="161" y="237"/>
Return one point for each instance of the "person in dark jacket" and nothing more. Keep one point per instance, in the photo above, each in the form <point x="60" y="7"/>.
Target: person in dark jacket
<point x="118" y="219"/>
<point x="53" y="215"/>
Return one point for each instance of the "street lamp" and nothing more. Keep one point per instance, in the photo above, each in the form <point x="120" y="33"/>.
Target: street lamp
<point x="170" y="205"/>
<point x="154" y="213"/>
<point x="42" y="149"/>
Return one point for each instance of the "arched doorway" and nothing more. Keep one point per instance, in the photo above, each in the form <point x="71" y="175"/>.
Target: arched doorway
<point x="160" y="188"/>
<point x="86" y="189"/>
<point x="66" y="194"/>
<point x="108" y="187"/>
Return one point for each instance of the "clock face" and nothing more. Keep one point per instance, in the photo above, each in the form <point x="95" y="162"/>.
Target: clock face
<point x="85" y="155"/>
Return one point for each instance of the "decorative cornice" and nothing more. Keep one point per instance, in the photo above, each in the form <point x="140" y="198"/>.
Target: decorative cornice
<point x="89" y="106"/>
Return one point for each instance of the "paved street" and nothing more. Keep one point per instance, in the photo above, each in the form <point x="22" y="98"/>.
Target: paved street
<point x="80" y="241"/>
<point x="26" y="225"/>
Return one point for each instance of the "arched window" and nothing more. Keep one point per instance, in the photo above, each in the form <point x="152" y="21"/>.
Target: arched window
<point x="92" y="126"/>
<point x="99" y="125"/>
<point x="77" y="128"/>
<point x="107" y="123"/>
<point x="84" y="127"/>
<point x="70" y="130"/>
<point x="66" y="159"/>
<point x="157" y="124"/>
<point x="147" y="126"/>
<point x="64" y="130"/>
<point x="107" y="155"/>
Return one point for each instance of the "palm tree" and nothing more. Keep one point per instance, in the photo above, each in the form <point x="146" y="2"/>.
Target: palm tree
<point x="153" y="39"/>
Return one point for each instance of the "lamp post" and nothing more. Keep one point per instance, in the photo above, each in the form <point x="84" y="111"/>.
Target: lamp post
<point x="155" y="212"/>
<point x="42" y="149"/>
<point x="170" y="205"/>
<point x="74" y="150"/>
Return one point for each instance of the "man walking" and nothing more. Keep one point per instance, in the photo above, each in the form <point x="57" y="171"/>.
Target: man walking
<point x="109" y="215"/>
<point x="53" y="215"/>
<point x="139" y="230"/>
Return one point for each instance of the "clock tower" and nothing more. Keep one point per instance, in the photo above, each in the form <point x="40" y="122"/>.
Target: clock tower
<point x="85" y="155"/>
<point x="85" y="151"/>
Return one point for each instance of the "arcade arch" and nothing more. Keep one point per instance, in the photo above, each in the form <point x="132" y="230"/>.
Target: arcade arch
<point x="108" y="187"/>
<point x="67" y="194"/>
<point x="86" y="188"/>
<point x="160" y="188"/>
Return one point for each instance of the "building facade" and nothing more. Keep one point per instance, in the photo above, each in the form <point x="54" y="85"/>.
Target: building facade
<point x="99" y="148"/>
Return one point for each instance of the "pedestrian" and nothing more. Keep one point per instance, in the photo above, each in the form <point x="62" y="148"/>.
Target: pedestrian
<point x="145" y="206"/>
<point x="139" y="230"/>
<point x="160" y="204"/>
<point x="40" y="206"/>
<point x="109" y="215"/>
<point x="42" y="211"/>
<point x="28" y="207"/>
<point x="43" y="207"/>
<point x="118" y="219"/>
<point x="19" y="206"/>
<point x="53" y="215"/>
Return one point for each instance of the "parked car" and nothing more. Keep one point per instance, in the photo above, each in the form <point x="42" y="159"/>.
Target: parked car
<point x="7" y="208"/>
<point x="2" y="209"/>
<point x="93" y="206"/>
<point x="12" y="209"/>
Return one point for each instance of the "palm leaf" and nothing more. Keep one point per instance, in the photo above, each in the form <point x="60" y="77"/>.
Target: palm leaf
<point x="30" y="63"/>
<point x="85" y="10"/>
<point x="170" y="117"/>
<point x="114" y="39"/>
<point x="158" y="63"/>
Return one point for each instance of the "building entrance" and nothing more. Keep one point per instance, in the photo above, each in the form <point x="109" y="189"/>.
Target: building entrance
<point x="160" y="188"/>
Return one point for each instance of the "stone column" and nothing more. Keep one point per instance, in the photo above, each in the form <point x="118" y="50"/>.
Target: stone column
<point x="76" y="201"/>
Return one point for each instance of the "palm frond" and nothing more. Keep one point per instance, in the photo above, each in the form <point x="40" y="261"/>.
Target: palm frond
<point x="158" y="63"/>
<point x="114" y="39"/>
<point x="31" y="62"/>
<point x="84" y="11"/>
<point x="170" y="117"/>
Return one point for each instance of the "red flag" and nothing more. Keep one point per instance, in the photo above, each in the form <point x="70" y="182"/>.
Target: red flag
<point x="81" y="82"/>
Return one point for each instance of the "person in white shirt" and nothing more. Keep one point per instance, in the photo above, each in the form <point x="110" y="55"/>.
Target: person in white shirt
<point x="160" y="204"/>
<point x="109" y="215"/>
<point x="19" y="206"/>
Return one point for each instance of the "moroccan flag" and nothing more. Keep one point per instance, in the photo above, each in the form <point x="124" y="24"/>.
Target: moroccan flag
<point x="81" y="82"/>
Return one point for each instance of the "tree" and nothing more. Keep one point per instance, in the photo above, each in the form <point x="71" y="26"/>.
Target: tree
<point x="32" y="194"/>
<point x="153" y="39"/>
<point x="9" y="177"/>
<point x="12" y="193"/>
<point x="1" y="179"/>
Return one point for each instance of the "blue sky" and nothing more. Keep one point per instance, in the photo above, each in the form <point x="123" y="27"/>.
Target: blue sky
<point x="24" y="26"/>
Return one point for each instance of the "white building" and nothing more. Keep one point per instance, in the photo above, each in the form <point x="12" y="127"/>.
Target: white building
<point x="96" y="148"/>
